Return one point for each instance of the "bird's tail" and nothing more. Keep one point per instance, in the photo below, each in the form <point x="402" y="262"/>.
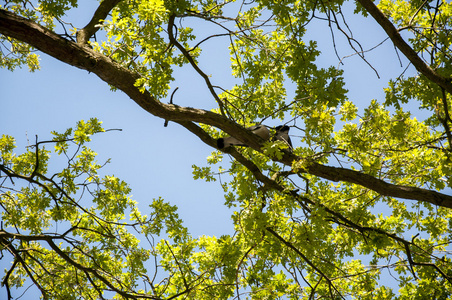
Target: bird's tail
<point x="228" y="141"/>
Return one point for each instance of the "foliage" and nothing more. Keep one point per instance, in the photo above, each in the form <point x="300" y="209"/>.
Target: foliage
<point x="365" y="192"/>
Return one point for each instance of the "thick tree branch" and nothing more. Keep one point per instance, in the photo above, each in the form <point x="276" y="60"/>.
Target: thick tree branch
<point x="112" y="73"/>
<point x="108" y="70"/>
<point x="333" y="174"/>
<point x="100" y="14"/>
<point x="378" y="185"/>
<point x="116" y="75"/>
<point x="403" y="46"/>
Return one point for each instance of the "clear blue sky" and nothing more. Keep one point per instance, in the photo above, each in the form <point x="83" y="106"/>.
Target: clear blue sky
<point x="154" y="160"/>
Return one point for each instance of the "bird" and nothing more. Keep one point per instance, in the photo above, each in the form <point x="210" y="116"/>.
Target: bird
<point x="282" y="134"/>
<point x="259" y="130"/>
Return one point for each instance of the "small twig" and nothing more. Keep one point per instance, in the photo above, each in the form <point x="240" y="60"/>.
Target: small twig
<point x="417" y="12"/>
<point x="171" y="102"/>
<point x="310" y="263"/>
<point x="178" y="265"/>
<point x="33" y="174"/>
<point x="190" y="59"/>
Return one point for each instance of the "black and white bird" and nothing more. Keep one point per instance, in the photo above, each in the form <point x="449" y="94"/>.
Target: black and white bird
<point x="282" y="134"/>
<point x="260" y="130"/>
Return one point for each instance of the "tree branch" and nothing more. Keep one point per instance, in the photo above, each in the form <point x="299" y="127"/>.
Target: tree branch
<point x="332" y="173"/>
<point x="446" y="120"/>
<point x="17" y="257"/>
<point x="403" y="46"/>
<point x="50" y="241"/>
<point x="379" y="186"/>
<point x="299" y="253"/>
<point x="187" y="55"/>
<point x="104" y="67"/>
<point x="100" y="14"/>
<point x="112" y="73"/>
<point x="116" y="75"/>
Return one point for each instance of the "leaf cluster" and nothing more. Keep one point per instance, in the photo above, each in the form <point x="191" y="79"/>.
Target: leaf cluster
<point x="364" y="193"/>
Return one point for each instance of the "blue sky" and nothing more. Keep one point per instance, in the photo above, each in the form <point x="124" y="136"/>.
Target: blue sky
<point x="154" y="160"/>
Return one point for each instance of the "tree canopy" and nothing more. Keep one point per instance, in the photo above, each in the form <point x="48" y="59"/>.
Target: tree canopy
<point x="360" y="208"/>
